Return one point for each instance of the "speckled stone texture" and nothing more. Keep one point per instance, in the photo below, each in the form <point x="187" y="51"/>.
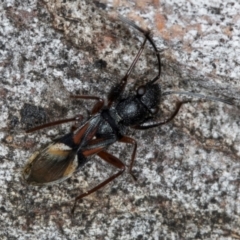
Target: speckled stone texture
<point x="188" y="171"/>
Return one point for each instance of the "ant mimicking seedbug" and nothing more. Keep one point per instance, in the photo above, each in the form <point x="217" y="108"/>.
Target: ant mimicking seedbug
<point x="106" y="125"/>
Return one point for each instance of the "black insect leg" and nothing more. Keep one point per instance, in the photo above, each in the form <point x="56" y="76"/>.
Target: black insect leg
<point x="119" y="88"/>
<point x="132" y="141"/>
<point x="155" y="124"/>
<point x="97" y="107"/>
<point x="114" y="161"/>
<point x="58" y="122"/>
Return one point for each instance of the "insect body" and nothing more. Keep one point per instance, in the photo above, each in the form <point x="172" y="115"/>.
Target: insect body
<point x="107" y="124"/>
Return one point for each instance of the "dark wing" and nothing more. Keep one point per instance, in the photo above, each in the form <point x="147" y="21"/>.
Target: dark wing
<point x="60" y="159"/>
<point x="54" y="163"/>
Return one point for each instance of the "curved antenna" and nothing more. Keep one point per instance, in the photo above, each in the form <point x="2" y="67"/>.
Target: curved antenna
<point x="147" y="35"/>
<point x="216" y="99"/>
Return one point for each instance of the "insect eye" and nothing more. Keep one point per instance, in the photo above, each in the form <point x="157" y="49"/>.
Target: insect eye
<point x="154" y="110"/>
<point x="141" y="90"/>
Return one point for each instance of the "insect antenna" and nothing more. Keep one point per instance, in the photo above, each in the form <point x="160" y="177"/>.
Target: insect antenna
<point x="198" y="95"/>
<point x="146" y="33"/>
